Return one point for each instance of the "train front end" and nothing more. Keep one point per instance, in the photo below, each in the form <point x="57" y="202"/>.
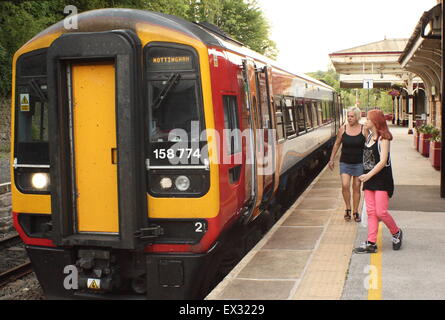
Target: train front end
<point x="114" y="193"/>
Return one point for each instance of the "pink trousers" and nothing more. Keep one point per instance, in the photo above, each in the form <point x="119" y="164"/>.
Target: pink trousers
<point x="377" y="208"/>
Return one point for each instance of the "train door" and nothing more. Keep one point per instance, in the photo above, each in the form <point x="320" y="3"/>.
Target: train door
<point x="97" y="161"/>
<point x="259" y="157"/>
<point x="263" y="88"/>
<point x="95" y="175"/>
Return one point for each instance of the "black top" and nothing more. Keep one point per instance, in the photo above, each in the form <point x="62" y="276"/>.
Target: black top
<point x="382" y="181"/>
<point x="352" y="149"/>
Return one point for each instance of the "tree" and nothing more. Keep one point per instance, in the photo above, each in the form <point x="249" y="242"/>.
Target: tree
<point x="377" y="97"/>
<point x="246" y="22"/>
<point x="20" y="21"/>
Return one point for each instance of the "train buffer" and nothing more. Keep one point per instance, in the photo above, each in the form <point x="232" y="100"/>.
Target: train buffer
<point x="307" y="255"/>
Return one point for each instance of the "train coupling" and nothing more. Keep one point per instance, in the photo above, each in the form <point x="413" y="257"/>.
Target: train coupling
<point x="97" y="270"/>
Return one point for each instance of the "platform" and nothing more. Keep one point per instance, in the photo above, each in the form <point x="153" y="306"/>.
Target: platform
<point x="308" y="255"/>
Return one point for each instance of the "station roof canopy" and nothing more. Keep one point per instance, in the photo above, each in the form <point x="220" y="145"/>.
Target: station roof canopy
<point x="423" y="52"/>
<point x="377" y="61"/>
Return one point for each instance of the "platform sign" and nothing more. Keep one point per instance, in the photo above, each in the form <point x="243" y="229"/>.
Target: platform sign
<point x="368" y="84"/>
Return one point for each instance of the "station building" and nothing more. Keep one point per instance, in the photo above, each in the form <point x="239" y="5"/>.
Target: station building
<point x="410" y="70"/>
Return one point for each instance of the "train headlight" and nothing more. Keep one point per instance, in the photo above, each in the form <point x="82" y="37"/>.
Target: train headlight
<point x="166" y="183"/>
<point x="182" y="183"/>
<point x="40" y="181"/>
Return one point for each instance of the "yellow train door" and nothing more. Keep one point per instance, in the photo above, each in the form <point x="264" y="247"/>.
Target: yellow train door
<point x="94" y="129"/>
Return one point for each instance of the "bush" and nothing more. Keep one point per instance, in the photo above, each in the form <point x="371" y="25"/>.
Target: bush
<point x="427" y="129"/>
<point x="435" y="135"/>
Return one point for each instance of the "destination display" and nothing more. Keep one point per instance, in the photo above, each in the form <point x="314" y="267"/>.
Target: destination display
<point x="165" y="59"/>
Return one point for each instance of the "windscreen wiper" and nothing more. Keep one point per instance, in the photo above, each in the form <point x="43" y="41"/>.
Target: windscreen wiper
<point x="171" y="82"/>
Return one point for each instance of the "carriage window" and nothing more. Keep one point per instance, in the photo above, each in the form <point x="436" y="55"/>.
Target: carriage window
<point x="176" y="109"/>
<point x="231" y="123"/>
<point x="330" y="110"/>
<point x="314" y="114"/>
<point x="289" y="118"/>
<point x="325" y="112"/>
<point x="320" y="113"/>
<point x="300" y="118"/>
<point x="308" y="111"/>
<point x="279" y="118"/>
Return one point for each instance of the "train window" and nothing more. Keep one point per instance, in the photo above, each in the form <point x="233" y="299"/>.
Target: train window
<point x="322" y="112"/>
<point x="32" y="64"/>
<point x="308" y="111"/>
<point x="330" y="110"/>
<point x="319" y="113"/>
<point x="314" y="114"/>
<point x="177" y="109"/>
<point x="289" y="118"/>
<point x="326" y="118"/>
<point x="279" y="118"/>
<point x="231" y="124"/>
<point x="264" y="101"/>
<point x="300" y="117"/>
<point x="32" y="125"/>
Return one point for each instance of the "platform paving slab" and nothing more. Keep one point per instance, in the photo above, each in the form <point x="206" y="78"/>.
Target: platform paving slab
<point x="268" y="264"/>
<point x="297" y="255"/>
<point x="294" y="238"/>
<point x="415" y="271"/>
<point x="243" y="289"/>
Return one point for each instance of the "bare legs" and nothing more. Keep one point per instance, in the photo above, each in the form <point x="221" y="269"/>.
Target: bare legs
<point x="346" y="191"/>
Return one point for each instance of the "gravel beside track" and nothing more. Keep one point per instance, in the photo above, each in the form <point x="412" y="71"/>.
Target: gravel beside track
<point x="26" y="288"/>
<point x="5" y="175"/>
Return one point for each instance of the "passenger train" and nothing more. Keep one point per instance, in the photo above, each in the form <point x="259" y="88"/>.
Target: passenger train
<point x="146" y="148"/>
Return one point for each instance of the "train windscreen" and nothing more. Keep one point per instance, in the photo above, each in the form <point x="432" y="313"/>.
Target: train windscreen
<point x="173" y="93"/>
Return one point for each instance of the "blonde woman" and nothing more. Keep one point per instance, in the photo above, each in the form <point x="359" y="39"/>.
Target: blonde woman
<point x="352" y="138"/>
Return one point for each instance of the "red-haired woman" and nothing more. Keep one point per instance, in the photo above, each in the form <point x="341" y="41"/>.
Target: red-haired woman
<point x="378" y="182"/>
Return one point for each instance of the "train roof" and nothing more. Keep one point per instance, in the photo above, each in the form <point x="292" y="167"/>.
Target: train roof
<point x="120" y="18"/>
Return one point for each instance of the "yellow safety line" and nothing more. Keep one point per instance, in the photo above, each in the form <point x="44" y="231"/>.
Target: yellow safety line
<point x="375" y="271"/>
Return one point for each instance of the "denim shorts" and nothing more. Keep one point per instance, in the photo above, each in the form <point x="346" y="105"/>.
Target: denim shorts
<point x="353" y="169"/>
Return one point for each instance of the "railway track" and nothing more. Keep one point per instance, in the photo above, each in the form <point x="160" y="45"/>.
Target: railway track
<point x="15" y="273"/>
<point x="12" y="239"/>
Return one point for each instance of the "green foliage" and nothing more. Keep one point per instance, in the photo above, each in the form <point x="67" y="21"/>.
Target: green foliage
<point x="329" y="77"/>
<point x="20" y="21"/>
<point x="427" y="129"/>
<point x="246" y="23"/>
<point x="435" y="135"/>
<point x="375" y="98"/>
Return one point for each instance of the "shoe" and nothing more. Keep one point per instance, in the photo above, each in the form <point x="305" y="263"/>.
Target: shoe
<point x="347" y="215"/>
<point x="366" y="247"/>
<point x="356" y="217"/>
<point x="397" y="240"/>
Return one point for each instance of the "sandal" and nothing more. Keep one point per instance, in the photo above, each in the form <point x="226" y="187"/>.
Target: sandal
<point x="347" y="215"/>
<point x="357" y="217"/>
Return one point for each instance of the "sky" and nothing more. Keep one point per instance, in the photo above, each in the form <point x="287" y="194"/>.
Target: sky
<point x="307" y="31"/>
